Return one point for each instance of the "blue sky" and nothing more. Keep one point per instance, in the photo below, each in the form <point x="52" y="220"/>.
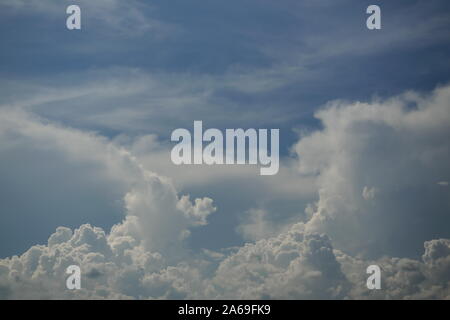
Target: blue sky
<point x="140" y="69"/>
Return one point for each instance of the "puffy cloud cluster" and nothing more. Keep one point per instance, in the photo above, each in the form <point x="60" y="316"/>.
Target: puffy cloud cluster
<point x="112" y="266"/>
<point x="117" y="265"/>
<point x="293" y="265"/>
<point x="164" y="217"/>
<point x="404" y="278"/>
<point x="379" y="169"/>
<point x="157" y="219"/>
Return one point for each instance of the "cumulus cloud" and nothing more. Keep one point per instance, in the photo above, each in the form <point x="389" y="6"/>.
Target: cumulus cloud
<point x="393" y="151"/>
<point x="164" y="217"/>
<point x="376" y="166"/>
<point x="403" y="278"/>
<point x="292" y="265"/>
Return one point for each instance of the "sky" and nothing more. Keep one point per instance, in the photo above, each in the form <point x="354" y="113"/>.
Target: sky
<point x="86" y="176"/>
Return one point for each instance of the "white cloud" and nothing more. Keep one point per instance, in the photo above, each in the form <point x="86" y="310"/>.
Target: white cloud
<point x="293" y="265"/>
<point x="394" y="151"/>
<point x="404" y="278"/>
<point x="164" y="218"/>
<point x="399" y="145"/>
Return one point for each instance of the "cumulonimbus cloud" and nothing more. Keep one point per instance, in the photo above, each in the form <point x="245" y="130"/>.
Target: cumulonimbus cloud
<point x="377" y="166"/>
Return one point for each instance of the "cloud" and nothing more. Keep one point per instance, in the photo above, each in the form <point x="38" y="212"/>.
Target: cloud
<point x="133" y="100"/>
<point x="262" y="223"/>
<point x="292" y="265"/>
<point x="94" y="171"/>
<point x="393" y="151"/>
<point x="404" y="278"/>
<point x="163" y="218"/>
<point x="375" y="166"/>
<point x="110" y="15"/>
